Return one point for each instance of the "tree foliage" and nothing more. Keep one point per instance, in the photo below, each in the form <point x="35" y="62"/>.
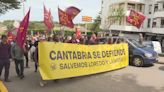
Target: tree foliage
<point x="36" y="25"/>
<point x="6" y="5"/>
<point x="8" y="24"/>
<point x="96" y="24"/>
<point x="117" y="15"/>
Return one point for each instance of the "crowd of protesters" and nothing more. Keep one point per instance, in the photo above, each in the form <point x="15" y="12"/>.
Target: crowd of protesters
<point x="12" y="52"/>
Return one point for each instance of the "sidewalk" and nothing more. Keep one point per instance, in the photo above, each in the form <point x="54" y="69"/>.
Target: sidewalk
<point x="161" y="60"/>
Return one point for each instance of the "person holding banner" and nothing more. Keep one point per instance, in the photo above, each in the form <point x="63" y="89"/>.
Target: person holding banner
<point x="110" y="40"/>
<point x="93" y="39"/>
<point x="56" y="38"/>
<point x="35" y="55"/>
<point x="41" y="81"/>
<point x="74" y="39"/>
<point x="68" y="39"/>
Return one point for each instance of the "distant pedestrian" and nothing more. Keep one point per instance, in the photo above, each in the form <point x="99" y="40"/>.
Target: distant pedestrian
<point x="18" y="56"/>
<point x="35" y="55"/>
<point x="26" y="49"/>
<point x="5" y="56"/>
<point x="141" y="38"/>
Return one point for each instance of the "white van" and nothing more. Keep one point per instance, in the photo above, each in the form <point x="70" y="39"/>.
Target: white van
<point x="155" y="45"/>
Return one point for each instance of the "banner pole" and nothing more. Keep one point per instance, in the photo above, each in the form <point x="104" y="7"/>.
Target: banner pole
<point x="62" y="30"/>
<point x="86" y="28"/>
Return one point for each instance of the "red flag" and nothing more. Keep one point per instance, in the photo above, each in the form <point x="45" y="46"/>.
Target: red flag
<point x="73" y="11"/>
<point x="48" y="19"/>
<point x="65" y="19"/>
<point x="22" y="30"/>
<point x="135" y="18"/>
<point x="78" y="33"/>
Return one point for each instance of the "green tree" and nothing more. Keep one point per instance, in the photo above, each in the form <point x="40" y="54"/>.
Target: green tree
<point x="36" y="25"/>
<point x="116" y="15"/>
<point x="6" y="5"/>
<point x="9" y="24"/>
<point x="96" y="24"/>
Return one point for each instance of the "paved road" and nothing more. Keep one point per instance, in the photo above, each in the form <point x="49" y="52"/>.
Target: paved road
<point x="129" y="79"/>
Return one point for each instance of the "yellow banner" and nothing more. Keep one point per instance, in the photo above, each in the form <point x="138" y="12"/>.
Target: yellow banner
<point x="62" y="60"/>
<point x="2" y="87"/>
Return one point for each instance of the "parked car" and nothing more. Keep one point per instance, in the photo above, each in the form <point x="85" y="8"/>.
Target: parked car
<point x="154" y="45"/>
<point x="139" y="55"/>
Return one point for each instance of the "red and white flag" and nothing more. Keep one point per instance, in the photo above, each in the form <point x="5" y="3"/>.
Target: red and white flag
<point x="48" y="20"/>
<point x="72" y="11"/>
<point x="65" y="19"/>
<point x="135" y="18"/>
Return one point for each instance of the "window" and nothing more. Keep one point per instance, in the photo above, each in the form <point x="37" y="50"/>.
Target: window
<point x="131" y="6"/>
<point x="150" y="9"/>
<point x="154" y="22"/>
<point x="155" y="7"/>
<point x="139" y="8"/>
<point x="162" y="23"/>
<point x="148" y="24"/>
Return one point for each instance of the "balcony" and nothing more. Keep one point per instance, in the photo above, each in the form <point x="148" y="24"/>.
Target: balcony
<point x="158" y="30"/>
<point x="136" y="1"/>
<point x="126" y="28"/>
<point x="159" y="13"/>
<point x="129" y="1"/>
<point x="159" y="0"/>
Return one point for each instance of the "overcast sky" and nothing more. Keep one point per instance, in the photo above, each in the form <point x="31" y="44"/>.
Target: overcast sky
<point x="88" y="7"/>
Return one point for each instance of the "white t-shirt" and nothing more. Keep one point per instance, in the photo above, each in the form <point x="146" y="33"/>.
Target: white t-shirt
<point x="31" y="51"/>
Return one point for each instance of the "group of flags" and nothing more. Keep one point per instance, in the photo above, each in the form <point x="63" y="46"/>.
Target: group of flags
<point x="66" y="19"/>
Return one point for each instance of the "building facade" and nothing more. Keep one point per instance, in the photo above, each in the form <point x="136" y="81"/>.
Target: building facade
<point x="152" y="9"/>
<point x="153" y="26"/>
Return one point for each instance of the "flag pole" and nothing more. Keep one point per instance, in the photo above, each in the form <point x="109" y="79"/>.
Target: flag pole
<point x="23" y="7"/>
<point x="61" y="30"/>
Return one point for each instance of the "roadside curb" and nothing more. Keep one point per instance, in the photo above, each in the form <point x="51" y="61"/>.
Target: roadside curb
<point x="160" y="59"/>
<point x="161" y="55"/>
<point x="159" y="62"/>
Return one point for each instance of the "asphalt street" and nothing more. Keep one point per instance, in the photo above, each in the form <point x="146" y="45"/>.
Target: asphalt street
<point x="129" y="79"/>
